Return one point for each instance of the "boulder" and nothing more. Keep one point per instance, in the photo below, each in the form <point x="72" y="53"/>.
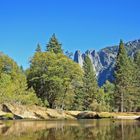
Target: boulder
<point x="88" y="115"/>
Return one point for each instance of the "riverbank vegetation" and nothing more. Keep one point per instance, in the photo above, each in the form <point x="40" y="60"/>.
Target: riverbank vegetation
<point x="54" y="80"/>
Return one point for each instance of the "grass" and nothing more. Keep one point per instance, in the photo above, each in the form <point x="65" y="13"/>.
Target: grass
<point x="8" y="116"/>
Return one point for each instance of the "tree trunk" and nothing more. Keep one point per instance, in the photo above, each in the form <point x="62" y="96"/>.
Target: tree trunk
<point x="122" y="102"/>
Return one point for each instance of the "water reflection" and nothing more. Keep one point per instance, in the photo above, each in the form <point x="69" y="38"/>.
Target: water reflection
<point x="70" y="130"/>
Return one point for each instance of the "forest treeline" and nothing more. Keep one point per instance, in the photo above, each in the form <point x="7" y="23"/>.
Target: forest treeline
<point x="54" y="80"/>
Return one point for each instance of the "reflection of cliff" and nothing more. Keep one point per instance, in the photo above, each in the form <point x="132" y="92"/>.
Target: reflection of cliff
<point x="70" y="130"/>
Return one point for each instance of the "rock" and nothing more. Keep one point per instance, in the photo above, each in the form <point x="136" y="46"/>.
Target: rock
<point x="16" y="117"/>
<point x="138" y="118"/>
<point x="127" y="117"/>
<point x="39" y="116"/>
<point x="5" y="108"/>
<point x="88" y="115"/>
<point x="104" y="60"/>
<point x="78" y="58"/>
<point x="16" y="111"/>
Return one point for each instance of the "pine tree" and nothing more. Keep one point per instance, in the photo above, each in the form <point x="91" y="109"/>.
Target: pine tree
<point x="137" y="62"/>
<point x="22" y="69"/>
<point x="131" y="96"/>
<point x="123" y="71"/>
<point x="90" y="86"/>
<point x="54" y="45"/>
<point x="109" y="95"/>
<point x="137" y="80"/>
<point x="38" y="49"/>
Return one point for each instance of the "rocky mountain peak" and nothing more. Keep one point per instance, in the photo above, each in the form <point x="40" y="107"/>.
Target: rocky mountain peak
<point x="104" y="60"/>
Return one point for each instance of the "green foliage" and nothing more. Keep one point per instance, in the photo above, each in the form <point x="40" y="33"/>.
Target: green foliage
<point x="21" y="68"/>
<point x="78" y="99"/>
<point x="38" y="49"/>
<point x="8" y="116"/>
<point x="137" y="68"/>
<point x="55" y="78"/>
<point x="54" y="45"/>
<point x="120" y="77"/>
<point x="109" y="91"/>
<point x="136" y="81"/>
<point x="90" y="87"/>
<point x="13" y="84"/>
<point x="124" y="86"/>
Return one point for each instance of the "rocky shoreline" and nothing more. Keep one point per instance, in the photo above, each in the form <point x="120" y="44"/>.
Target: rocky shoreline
<point x="16" y="112"/>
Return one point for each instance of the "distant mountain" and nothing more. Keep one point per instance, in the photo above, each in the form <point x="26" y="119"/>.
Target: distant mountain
<point x="104" y="60"/>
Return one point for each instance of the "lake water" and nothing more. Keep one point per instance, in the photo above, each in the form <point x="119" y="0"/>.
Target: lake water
<point x="70" y="130"/>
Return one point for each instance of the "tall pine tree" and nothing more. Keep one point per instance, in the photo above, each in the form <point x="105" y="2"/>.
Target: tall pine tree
<point x="54" y="45"/>
<point x="90" y="86"/>
<point x="38" y="49"/>
<point x="123" y="77"/>
<point x="137" y="62"/>
<point x="137" y="81"/>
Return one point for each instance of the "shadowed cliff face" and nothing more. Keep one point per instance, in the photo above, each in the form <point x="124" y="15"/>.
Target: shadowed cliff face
<point x="104" y="60"/>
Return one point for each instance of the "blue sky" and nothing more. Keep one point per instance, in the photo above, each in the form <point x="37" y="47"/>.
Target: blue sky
<point x="78" y="24"/>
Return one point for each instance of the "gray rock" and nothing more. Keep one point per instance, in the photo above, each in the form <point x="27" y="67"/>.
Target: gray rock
<point x="104" y="60"/>
<point x="88" y="115"/>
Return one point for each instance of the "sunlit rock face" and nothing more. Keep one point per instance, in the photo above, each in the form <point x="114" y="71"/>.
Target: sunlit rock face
<point x="104" y="60"/>
<point x="78" y="58"/>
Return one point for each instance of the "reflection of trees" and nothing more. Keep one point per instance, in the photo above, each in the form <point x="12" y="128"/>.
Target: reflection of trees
<point x="100" y="130"/>
<point x="85" y="130"/>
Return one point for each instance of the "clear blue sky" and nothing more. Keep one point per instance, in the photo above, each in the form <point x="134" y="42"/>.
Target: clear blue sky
<point x="78" y="24"/>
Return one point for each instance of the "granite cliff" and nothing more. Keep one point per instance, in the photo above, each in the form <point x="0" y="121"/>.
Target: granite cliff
<point x="104" y="60"/>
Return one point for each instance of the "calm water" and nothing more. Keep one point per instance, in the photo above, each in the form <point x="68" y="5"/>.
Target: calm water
<point x="70" y="130"/>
